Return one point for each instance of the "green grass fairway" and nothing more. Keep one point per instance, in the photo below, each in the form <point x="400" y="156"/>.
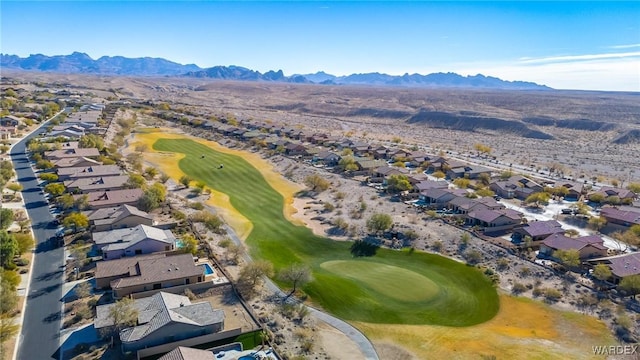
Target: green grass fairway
<point x="431" y="289"/>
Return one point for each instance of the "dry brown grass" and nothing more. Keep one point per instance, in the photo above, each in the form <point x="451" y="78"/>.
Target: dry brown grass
<point x="523" y="329"/>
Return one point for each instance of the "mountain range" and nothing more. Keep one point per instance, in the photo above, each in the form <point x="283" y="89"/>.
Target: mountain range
<point x="117" y="65"/>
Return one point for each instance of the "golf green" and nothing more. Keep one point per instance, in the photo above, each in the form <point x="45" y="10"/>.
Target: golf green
<point x="394" y="287"/>
<point x="398" y="283"/>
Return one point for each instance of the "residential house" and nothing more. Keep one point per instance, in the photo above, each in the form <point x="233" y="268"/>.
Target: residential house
<point x="588" y="246"/>
<point x="76" y="172"/>
<point x="70" y="153"/>
<point x="537" y="231"/>
<point x="293" y="149"/>
<point x="467" y="171"/>
<point x="10" y="121"/>
<point x="367" y="165"/>
<point x="621" y="266"/>
<point x="430" y="184"/>
<point x="102" y="183"/>
<point x="625" y="195"/>
<point x="626" y="216"/>
<point x="360" y="148"/>
<point x="8" y="132"/>
<point x="494" y="221"/>
<point x="439" y="198"/>
<point x="327" y="158"/>
<point x="101" y="199"/>
<point x="576" y="189"/>
<point x="75" y="162"/>
<point x="382" y="173"/>
<point x="118" y="217"/>
<point x="164" y="318"/>
<point x="132" y="275"/>
<point x="516" y="186"/>
<point x="141" y="239"/>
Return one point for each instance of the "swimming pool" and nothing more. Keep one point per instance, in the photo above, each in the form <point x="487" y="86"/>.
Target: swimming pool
<point x="208" y="270"/>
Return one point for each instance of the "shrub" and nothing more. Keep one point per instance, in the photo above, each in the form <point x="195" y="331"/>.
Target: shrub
<point x="518" y="288"/>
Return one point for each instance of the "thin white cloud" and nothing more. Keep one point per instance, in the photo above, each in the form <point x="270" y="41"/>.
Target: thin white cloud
<point x="573" y="58"/>
<point x="628" y="46"/>
<point x="608" y="74"/>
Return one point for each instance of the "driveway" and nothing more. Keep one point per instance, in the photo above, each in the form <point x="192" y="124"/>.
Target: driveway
<point x="39" y="337"/>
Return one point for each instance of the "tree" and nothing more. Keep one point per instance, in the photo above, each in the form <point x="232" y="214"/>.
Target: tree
<point x="150" y="172"/>
<point x="83" y="290"/>
<point x="6" y="218"/>
<point x="8" y="296"/>
<point x="185" y="181"/>
<point x="569" y="258"/>
<point x="135" y="181"/>
<point x="124" y="314"/>
<point x="91" y="141"/>
<point x="485" y="192"/>
<point x="596" y="197"/>
<point x="81" y="202"/>
<point x="630" y="285"/>
<point x="15" y="187"/>
<point x="397" y="183"/>
<point x="484" y="179"/>
<point x="76" y="221"/>
<point x="602" y="272"/>
<point x="316" y="183"/>
<point x="54" y="189"/>
<point x="48" y="177"/>
<point x="159" y="190"/>
<point x="597" y="222"/>
<point x="44" y="164"/>
<point x="164" y="178"/>
<point x="296" y="275"/>
<point x="348" y="163"/>
<point x="251" y="276"/>
<point x="190" y="244"/>
<point x="635" y="187"/>
<point x="25" y="242"/>
<point x="461" y="183"/>
<point x="482" y="149"/>
<point x="66" y="201"/>
<point x="379" y="222"/>
<point x="8" y="248"/>
<point x="438" y="175"/>
<point x="539" y="198"/>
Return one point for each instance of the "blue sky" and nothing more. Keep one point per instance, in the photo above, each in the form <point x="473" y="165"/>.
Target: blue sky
<point x="567" y="45"/>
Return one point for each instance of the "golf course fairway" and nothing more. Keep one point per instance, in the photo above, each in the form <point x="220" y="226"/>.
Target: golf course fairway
<point x="392" y="287"/>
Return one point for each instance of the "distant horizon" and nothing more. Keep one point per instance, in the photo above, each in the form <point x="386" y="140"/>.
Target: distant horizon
<point x="564" y="45"/>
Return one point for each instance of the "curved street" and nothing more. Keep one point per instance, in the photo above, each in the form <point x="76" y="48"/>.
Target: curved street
<point x="39" y="336"/>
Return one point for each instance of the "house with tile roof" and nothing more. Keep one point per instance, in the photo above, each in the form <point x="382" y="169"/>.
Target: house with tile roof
<point x="102" y="199"/>
<point x="494" y="221"/>
<point x="621" y="216"/>
<point x="117" y="217"/>
<point x="70" y="153"/>
<point x="147" y="273"/>
<point x="75" y="162"/>
<point x="138" y="240"/>
<point x="100" y="183"/>
<point x="87" y="171"/>
<point x="621" y="266"/>
<point x="516" y="186"/>
<point x="591" y="246"/>
<point x="164" y="318"/>
<point x="536" y="230"/>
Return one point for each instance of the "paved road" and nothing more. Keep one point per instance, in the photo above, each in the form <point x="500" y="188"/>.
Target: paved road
<point x="39" y="338"/>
